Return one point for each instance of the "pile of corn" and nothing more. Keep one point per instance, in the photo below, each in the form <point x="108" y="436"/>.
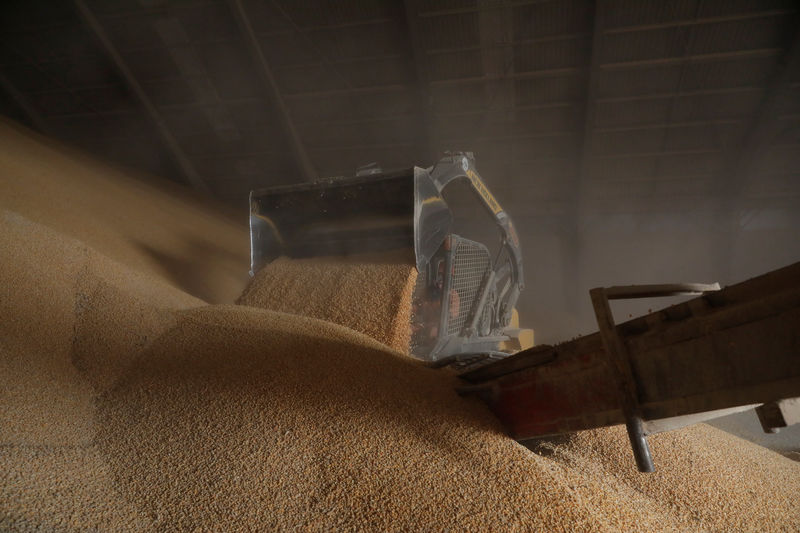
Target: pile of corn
<point x="369" y="293"/>
<point x="127" y="404"/>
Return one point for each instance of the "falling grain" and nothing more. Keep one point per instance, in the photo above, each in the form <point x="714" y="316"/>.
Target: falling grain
<point x="369" y="293"/>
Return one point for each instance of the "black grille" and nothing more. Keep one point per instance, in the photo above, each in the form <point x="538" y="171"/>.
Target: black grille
<point x="470" y="264"/>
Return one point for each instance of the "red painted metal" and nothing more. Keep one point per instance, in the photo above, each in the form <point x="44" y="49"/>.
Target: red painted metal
<point x="553" y="399"/>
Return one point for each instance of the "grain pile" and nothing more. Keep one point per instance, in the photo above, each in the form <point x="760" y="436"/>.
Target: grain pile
<point x="150" y="225"/>
<point x="704" y="477"/>
<point x="369" y="293"/>
<point x="73" y="322"/>
<point x="128" y="405"/>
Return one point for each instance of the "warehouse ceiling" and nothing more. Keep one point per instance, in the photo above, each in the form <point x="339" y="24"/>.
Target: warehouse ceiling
<point x="609" y="105"/>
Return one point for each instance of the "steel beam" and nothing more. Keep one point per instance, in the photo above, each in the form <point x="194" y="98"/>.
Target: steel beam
<point x="364" y="146"/>
<point x="529" y="75"/>
<point x="304" y="164"/>
<point x="510" y="43"/>
<point x="590" y="105"/>
<point x="63" y="89"/>
<point x="393" y="87"/>
<point x="22" y="101"/>
<point x="679" y="94"/>
<point x="94" y="114"/>
<point x="660" y="153"/>
<point x="270" y="33"/>
<point x="422" y="77"/>
<point x="571" y="240"/>
<point x="495" y="26"/>
<point x="662" y="178"/>
<point x="329" y="27"/>
<point x="697" y="58"/>
<point x="436" y="115"/>
<point x="512" y="138"/>
<point x="759" y="134"/>
<point x="480" y="8"/>
<point x="326" y="61"/>
<point x="168" y="140"/>
<point x="526" y="75"/>
<point x="670" y="125"/>
<point x="239" y="155"/>
<point x="702" y="20"/>
<point x="333" y="63"/>
<point x="761" y="128"/>
<point x="493" y="138"/>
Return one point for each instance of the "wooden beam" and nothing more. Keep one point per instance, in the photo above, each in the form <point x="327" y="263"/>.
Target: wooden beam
<point x="270" y="82"/>
<point x="168" y="140"/>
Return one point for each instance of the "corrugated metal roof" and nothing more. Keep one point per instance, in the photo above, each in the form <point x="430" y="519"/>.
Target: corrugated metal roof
<point x="650" y="89"/>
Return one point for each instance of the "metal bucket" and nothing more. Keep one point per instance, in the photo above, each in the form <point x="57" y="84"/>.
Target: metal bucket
<point x="464" y="297"/>
<point x="348" y="216"/>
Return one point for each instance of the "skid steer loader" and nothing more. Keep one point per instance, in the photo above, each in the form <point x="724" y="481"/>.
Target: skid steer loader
<point x="463" y="305"/>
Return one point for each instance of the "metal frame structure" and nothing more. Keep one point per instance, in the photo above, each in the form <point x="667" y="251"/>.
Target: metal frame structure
<point x="620" y="359"/>
<point x="22" y="102"/>
<point x="304" y="164"/>
<point x="170" y="143"/>
<point x="457" y="54"/>
<point x="422" y="79"/>
<point x="756" y="140"/>
<point x="727" y="349"/>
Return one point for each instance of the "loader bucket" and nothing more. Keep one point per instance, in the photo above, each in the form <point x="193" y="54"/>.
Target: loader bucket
<point x="348" y="216"/>
<point x="464" y="295"/>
